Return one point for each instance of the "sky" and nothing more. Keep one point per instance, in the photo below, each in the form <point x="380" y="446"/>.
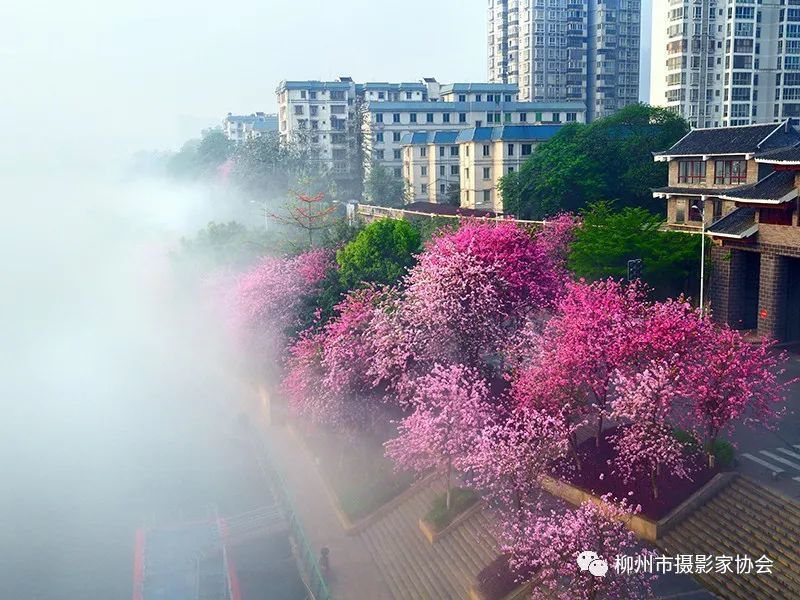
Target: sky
<point x="105" y="79"/>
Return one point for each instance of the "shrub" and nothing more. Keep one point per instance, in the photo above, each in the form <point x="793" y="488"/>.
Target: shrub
<point x="686" y="438"/>
<point x="722" y="451"/>
<point x="460" y="500"/>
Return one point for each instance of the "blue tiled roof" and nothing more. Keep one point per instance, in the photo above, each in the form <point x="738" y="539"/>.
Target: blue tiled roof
<point x="463" y="88"/>
<point x="313" y="85"/>
<point x="517" y="133"/>
<point x="421" y="138"/>
<point x="432" y="106"/>
<point x="393" y="87"/>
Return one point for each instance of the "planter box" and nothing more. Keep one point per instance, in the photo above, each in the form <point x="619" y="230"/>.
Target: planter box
<point x="522" y="592"/>
<point x="429" y="530"/>
<point x="645" y="528"/>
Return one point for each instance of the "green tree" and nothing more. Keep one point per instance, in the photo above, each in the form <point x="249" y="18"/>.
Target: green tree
<point x="380" y="253"/>
<point x="607" y="240"/>
<point x="609" y="159"/>
<point x="384" y="188"/>
<point x="228" y="244"/>
<point x="200" y="158"/>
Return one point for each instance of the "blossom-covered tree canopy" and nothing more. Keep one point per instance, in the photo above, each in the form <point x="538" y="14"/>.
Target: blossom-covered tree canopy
<point x="270" y="294"/>
<point x="451" y="408"/>
<point x="546" y="548"/>
<point x="327" y="377"/>
<point x="470" y="290"/>
<point x="646" y="403"/>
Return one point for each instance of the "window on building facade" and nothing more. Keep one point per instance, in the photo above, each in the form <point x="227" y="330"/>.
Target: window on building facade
<point x="413" y="117"/>
<point x="423" y="171"/>
<point x="487" y="173"/>
<point x="398" y="172"/>
<point x="691" y="171"/>
<point x="396" y="136"/>
<point x="557" y="117"/>
<point x="538" y="117"/>
<point x="303" y="94"/>
<point x="298" y="110"/>
<point x="408" y="95"/>
<point x="429" y="118"/>
<point x="680" y="210"/>
<point x="424" y="188"/>
<point x="379" y="137"/>
<point x="523" y="117"/>
<point x="466" y="173"/>
<point x="572" y="117"/>
<point x="730" y="172"/>
<point x="526" y="149"/>
<point x="453" y="150"/>
<point x="507" y="117"/>
<point x="775" y="216"/>
<point x="462" y="98"/>
<point x="477" y="97"/>
<point x="445" y="117"/>
<point x="380" y="154"/>
<point x="508" y="97"/>
<point x="396" y="118"/>
<point x="453" y="169"/>
<point x="397" y="155"/>
<point x="442" y="171"/>
<point x="694" y="210"/>
<point x="312" y="95"/>
<point x="442" y="189"/>
<point x="381" y="95"/>
<point x="462" y="117"/>
<point x="717" y="208"/>
<point x="441" y="150"/>
<point x="423" y="152"/>
<point x="486" y="149"/>
<point x="379" y="117"/>
<point x="487" y="196"/>
<point x="511" y="149"/>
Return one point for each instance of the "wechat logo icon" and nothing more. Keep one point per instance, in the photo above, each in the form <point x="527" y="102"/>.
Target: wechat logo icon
<point x="590" y="561"/>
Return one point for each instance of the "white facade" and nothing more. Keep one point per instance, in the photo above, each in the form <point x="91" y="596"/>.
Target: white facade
<point x="730" y="62"/>
<point x="567" y="50"/>
<point x="330" y="114"/>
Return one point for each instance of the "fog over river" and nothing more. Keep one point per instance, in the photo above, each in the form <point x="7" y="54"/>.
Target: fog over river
<point x="118" y="388"/>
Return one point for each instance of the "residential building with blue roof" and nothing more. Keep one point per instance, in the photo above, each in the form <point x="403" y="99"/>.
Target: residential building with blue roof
<point x="239" y="128"/>
<point x="465" y="166"/>
<point x="343" y="117"/>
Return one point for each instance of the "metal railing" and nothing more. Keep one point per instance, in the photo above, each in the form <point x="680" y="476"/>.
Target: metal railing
<point x="317" y="586"/>
<point x="370" y="210"/>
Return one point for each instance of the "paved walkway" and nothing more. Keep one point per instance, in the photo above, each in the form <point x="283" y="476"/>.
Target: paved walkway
<point x="354" y="574"/>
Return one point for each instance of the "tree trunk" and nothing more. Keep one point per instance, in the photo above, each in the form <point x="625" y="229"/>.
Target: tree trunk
<point x="447" y="484"/>
<point x="653" y="477"/>
<point x="573" y="447"/>
<point x="599" y="430"/>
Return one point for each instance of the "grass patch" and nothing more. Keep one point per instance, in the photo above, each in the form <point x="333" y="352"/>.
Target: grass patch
<point x="460" y="500"/>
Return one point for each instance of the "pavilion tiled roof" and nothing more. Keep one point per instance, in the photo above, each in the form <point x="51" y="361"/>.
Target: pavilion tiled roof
<point x="733" y="140"/>
<point x="739" y="223"/>
<point x="781" y="156"/>
<point x="776" y="187"/>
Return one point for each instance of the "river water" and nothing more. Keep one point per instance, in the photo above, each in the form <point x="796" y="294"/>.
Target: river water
<point x="118" y="388"/>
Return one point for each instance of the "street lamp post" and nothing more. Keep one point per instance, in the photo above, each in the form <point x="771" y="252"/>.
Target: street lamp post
<point x="702" y="210"/>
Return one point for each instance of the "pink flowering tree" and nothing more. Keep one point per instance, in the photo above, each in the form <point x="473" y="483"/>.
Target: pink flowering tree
<point x="327" y="376"/>
<point x="470" y="290"/>
<point x="546" y="549"/>
<point x="645" y="407"/>
<point x="450" y="410"/>
<point x="512" y="454"/>
<point x="730" y="380"/>
<point x="593" y="334"/>
<point x="269" y="296"/>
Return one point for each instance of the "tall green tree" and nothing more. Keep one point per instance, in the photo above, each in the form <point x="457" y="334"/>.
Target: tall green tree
<point x="384" y="188"/>
<point x="608" y="239"/>
<point x="609" y="159"/>
<point x="381" y="253"/>
<point x="200" y="158"/>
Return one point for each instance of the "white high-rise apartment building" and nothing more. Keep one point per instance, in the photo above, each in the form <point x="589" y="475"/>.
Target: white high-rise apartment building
<point x="730" y="62"/>
<point x="567" y="50"/>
